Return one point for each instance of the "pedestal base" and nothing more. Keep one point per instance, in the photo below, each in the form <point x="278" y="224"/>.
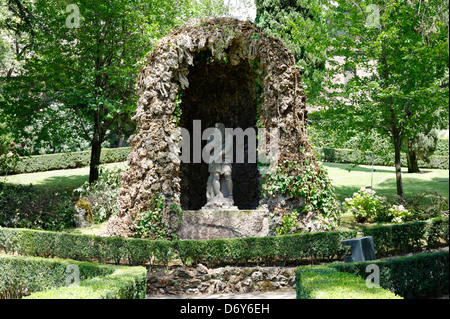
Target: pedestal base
<point x="220" y="204"/>
<point x="213" y="224"/>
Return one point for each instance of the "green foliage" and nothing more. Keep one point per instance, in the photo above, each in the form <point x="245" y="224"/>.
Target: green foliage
<point x="423" y="145"/>
<point x="31" y="207"/>
<point x="289" y="222"/>
<point x="149" y="223"/>
<point x="42" y="163"/>
<point x="310" y="183"/>
<point x="85" y="247"/>
<point x="8" y="156"/>
<point x="40" y="278"/>
<point x="302" y="27"/>
<point x="365" y="205"/>
<point x="269" y="250"/>
<point x="396" y="79"/>
<point x="442" y="147"/>
<point x="324" y="282"/>
<point x="33" y="274"/>
<point x="412" y="236"/>
<point x="418" y="276"/>
<point x="102" y="194"/>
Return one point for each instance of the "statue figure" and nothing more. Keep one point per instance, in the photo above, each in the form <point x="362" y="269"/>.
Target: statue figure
<point x="219" y="189"/>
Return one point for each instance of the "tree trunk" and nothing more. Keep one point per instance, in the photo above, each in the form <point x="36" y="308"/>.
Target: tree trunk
<point x="96" y="149"/>
<point x="413" y="166"/>
<point x="398" y="164"/>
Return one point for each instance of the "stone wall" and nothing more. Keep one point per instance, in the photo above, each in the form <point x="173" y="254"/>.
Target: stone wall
<point x="220" y="280"/>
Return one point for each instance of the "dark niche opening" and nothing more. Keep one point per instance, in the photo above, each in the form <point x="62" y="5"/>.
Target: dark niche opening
<point x="219" y="92"/>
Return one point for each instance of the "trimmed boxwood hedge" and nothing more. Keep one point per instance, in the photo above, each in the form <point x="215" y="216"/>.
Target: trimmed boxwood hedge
<point x="417" y="276"/>
<point x="324" y="282"/>
<point x="42" y="163"/>
<point x="46" y="278"/>
<point x="140" y="251"/>
<point x="412" y="236"/>
<point x="319" y="245"/>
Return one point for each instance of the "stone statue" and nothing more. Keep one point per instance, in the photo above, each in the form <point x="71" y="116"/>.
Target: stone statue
<point x="219" y="189"/>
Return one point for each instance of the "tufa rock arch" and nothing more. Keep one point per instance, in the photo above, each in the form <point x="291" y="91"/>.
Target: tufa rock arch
<point x="257" y="76"/>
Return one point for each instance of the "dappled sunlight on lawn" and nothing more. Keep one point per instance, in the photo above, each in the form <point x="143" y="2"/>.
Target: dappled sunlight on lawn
<point x="67" y="179"/>
<point x="348" y="179"/>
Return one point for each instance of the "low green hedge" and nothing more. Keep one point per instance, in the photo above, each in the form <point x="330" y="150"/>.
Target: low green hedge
<point x="324" y="282"/>
<point x="115" y="250"/>
<point x="417" y="276"/>
<point x="42" y="278"/>
<point x="412" y="236"/>
<point x="42" y="163"/>
<point x="317" y="245"/>
<point x="140" y="251"/>
<point x="354" y="156"/>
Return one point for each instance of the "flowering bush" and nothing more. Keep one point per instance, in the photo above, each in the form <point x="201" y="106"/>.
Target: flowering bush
<point x="365" y="205"/>
<point x="399" y="213"/>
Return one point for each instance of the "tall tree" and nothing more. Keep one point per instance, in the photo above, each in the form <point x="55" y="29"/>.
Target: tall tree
<point x="85" y="58"/>
<point x="303" y="28"/>
<point x="397" y="52"/>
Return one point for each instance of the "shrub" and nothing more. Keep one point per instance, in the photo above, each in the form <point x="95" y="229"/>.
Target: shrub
<point x="32" y="207"/>
<point x="442" y="148"/>
<point x="365" y="205"/>
<point x="325" y="282"/>
<point x="102" y="194"/>
<point x="48" y="278"/>
<point x="410" y="236"/>
<point x="421" y="275"/>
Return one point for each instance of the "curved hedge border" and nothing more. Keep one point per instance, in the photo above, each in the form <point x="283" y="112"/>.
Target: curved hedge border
<point x="320" y="245"/>
<point x="42" y="163"/>
<point x="46" y="279"/>
<point x="421" y="275"/>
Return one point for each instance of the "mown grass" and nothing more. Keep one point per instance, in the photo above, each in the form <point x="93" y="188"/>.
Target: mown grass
<point x="346" y="179"/>
<point x="62" y="180"/>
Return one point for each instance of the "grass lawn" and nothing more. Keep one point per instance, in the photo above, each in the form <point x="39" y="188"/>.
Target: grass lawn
<point x="68" y="179"/>
<point x="348" y="179"/>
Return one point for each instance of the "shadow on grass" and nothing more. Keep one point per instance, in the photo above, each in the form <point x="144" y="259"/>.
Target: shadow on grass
<point x="411" y="187"/>
<point x="353" y="168"/>
<point x="60" y="183"/>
